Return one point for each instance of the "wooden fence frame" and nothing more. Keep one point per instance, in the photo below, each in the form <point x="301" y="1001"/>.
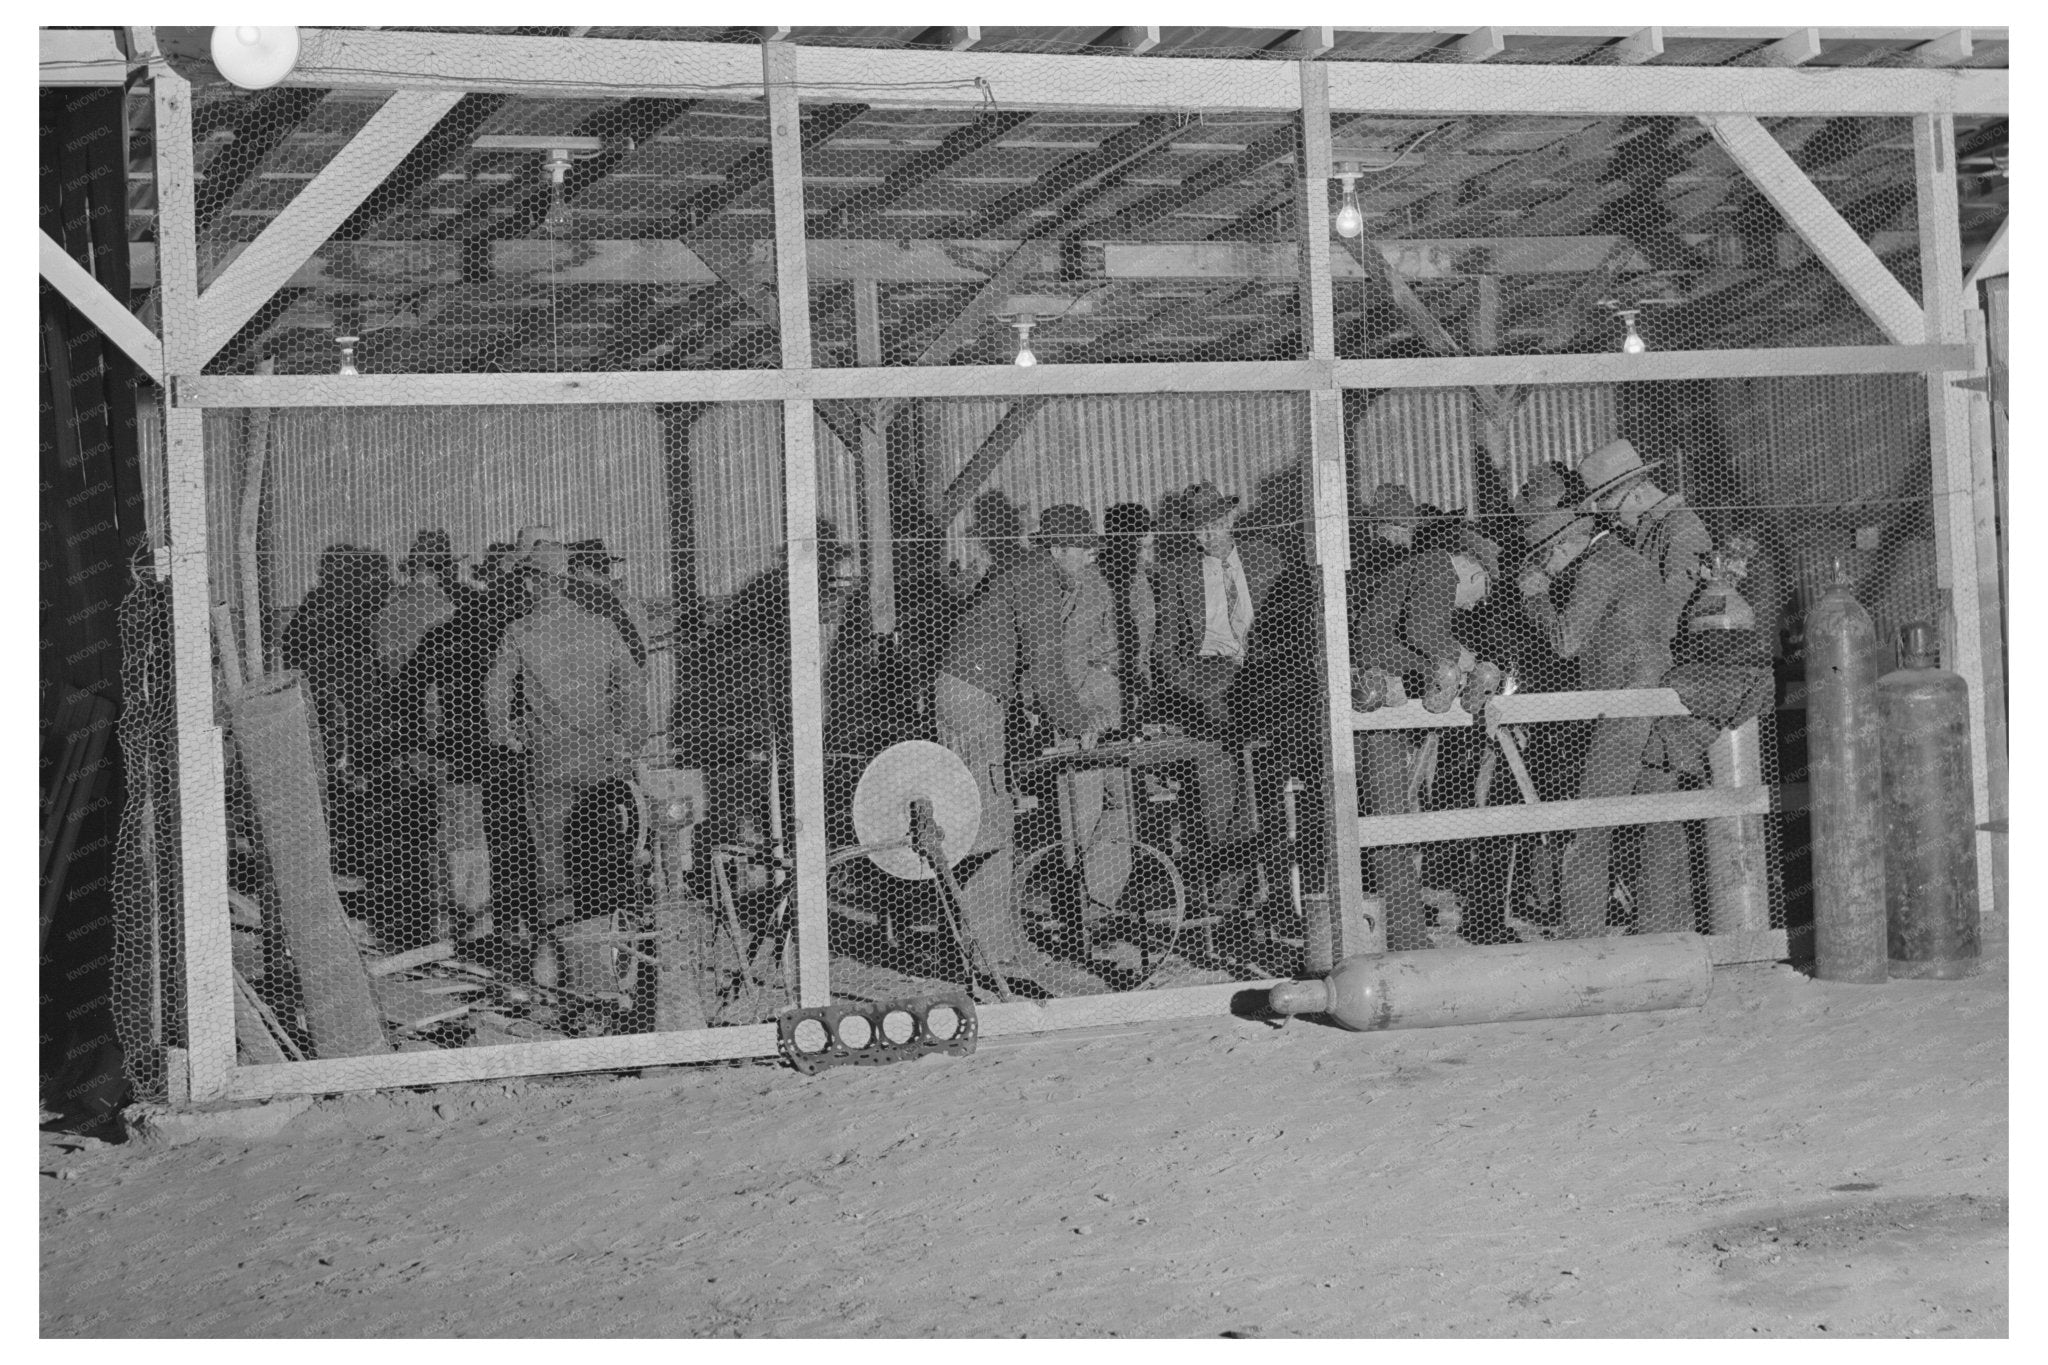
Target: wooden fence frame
<point x="430" y="69"/>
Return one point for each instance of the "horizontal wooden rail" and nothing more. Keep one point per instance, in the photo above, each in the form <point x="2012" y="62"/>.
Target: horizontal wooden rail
<point x="1547" y="817"/>
<point x="1528" y="708"/>
<point x="1051" y="380"/>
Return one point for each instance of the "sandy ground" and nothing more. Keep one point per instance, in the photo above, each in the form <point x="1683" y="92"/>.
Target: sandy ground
<point x="1793" y="1159"/>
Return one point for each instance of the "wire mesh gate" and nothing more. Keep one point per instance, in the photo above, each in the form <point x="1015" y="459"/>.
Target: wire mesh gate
<point x="545" y="714"/>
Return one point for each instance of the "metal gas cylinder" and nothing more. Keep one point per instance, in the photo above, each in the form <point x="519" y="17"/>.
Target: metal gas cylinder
<point x="1434" y="987"/>
<point x="1843" y="771"/>
<point x="1930" y="850"/>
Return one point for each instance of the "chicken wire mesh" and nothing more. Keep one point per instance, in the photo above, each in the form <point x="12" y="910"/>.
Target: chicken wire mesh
<point x="542" y="715"/>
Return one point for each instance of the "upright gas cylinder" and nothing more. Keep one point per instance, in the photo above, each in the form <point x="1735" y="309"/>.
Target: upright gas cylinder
<point x="1843" y="773"/>
<point x="1930" y="853"/>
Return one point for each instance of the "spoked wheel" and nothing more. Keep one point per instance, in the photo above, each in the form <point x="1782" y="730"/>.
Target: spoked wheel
<point x="1125" y="942"/>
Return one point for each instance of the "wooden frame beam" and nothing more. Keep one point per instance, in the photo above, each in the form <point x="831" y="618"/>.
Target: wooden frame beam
<point x="1796" y="48"/>
<point x="1550" y="817"/>
<point x="1644" y="45"/>
<point x="1807" y="211"/>
<point x="101" y="308"/>
<point x="566" y="68"/>
<point x="1481" y="44"/>
<point x="1947" y="50"/>
<point x="1135" y="41"/>
<point x="905" y="382"/>
<point x="315" y="212"/>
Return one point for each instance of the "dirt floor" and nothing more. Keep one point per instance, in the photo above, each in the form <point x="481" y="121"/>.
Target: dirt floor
<point x="1794" y="1159"/>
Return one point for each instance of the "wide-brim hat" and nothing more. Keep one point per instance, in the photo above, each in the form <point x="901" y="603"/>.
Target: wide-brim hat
<point x="1202" y="503"/>
<point x="1392" y="503"/>
<point x="541" y="548"/>
<point x="1067" y="524"/>
<point x="429" y="549"/>
<point x="1539" y="533"/>
<point x="1613" y="467"/>
<point x="592" y="554"/>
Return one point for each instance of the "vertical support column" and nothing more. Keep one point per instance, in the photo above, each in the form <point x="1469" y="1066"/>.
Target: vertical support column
<point x="1330" y="529"/>
<point x="1986" y="524"/>
<point x="874" y="466"/>
<point x="202" y="793"/>
<point x="800" y="511"/>
<point x="1948" y="436"/>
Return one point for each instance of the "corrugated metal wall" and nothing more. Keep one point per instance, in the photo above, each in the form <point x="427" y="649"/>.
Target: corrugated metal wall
<point x="1100" y="451"/>
<point x="736" y="462"/>
<point x="375" y="476"/>
<point x="1424" y="439"/>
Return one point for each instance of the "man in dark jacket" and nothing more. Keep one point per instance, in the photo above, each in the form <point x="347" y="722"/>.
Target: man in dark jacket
<point x="1208" y="604"/>
<point x="1616" y="623"/>
<point x="1006" y="649"/>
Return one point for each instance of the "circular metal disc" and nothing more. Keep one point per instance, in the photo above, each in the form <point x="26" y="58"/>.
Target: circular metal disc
<point x="913" y="770"/>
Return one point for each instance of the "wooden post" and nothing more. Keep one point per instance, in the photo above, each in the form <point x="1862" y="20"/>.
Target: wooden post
<point x="1738" y="885"/>
<point x="800" y="511"/>
<point x="1330" y="528"/>
<point x="255" y="461"/>
<point x="874" y="466"/>
<point x="202" y="792"/>
<point x="1948" y="434"/>
<point x="1987" y="525"/>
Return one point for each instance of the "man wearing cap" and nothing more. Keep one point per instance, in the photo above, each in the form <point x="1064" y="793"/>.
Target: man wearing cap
<point x="1616" y="623"/>
<point x="1006" y="649"/>
<point x="585" y="700"/>
<point x="1406" y="630"/>
<point x="1206" y="605"/>
<point x="1660" y="526"/>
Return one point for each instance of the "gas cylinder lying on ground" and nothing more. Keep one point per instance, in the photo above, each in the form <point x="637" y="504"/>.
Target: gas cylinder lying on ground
<point x="1930" y="847"/>
<point x="1432" y="988"/>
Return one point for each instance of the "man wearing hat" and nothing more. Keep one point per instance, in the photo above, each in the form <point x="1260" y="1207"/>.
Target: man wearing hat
<point x="1406" y="631"/>
<point x="1008" y="649"/>
<point x="591" y="582"/>
<point x="1660" y="526"/>
<point x="422" y="600"/>
<point x="1206" y="606"/>
<point x="1089" y="649"/>
<point x="1616" y="623"/>
<point x="584" y="695"/>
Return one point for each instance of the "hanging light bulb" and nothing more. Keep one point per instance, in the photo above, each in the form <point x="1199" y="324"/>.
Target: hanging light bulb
<point x="1349" y="222"/>
<point x="1023" y="324"/>
<point x="255" y="58"/>
<point x="1633" y="343"/>
<point x="557" y="164"/>
<point x="348" y="354"/>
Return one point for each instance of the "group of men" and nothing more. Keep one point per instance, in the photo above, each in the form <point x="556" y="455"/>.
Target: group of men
<point x="508" y="695"/>
<point x="1609" y="563"/>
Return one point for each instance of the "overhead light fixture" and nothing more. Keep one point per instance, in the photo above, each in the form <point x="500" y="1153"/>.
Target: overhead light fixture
<point x="348" y="354"/>
<point x="1349" y="222"/>
<point x="255" y="58"/>
<point x="1024" y="323"/>
<point x="1633" y="343"/>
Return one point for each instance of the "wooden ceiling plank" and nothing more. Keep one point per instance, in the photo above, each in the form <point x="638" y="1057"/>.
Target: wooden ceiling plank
<point x="1644" y="45"/>
<point x="1057" y="184"/>
<point x="1481" y="44"/>
<point x="920" y="167"/>
<point x="1807" y="211"/>
<point x="1949" y="49"/>
<point x="1796" y="48"/>
<point x="311" y="217"/>
<point x="1128" y="221"/>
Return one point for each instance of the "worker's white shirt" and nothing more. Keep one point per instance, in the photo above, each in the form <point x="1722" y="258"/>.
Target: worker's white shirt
<point x="1224" y="630"/>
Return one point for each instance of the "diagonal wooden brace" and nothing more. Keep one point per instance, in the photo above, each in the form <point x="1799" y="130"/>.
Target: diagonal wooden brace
<point x="101" y="308"/>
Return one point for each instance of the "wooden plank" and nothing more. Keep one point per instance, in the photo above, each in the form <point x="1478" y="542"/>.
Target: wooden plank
<point x="81" y="56"/>
<point x="1991" y="262"/>
<point x="316" y="211"/>
<point x="1481" y="44"/>
<point x="874" y="469"/>
<point x="1796" y="48"/>
<point x="202" y="790"/>
<point x="800" y="529"/>
<point x="1594" y="812"/>
<point x="1329" y="531"/>
<point x="998" y="443"/>
<point x="444" y="1066"/>
<point x="1947" y="50"/>
<point x="101" y="308"/>
<point x="1135" y="41"/>
<point x="1991" y="617"/>
<point x="1671" y="91"/>
<point x="1645" y="44"/>
<point x="1847" y="256"/>
<point x="1005" y="381"/>
<point x="1307" y="44"/>
<point x="560" y="68"/>
<point x="1958" y="575"/>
